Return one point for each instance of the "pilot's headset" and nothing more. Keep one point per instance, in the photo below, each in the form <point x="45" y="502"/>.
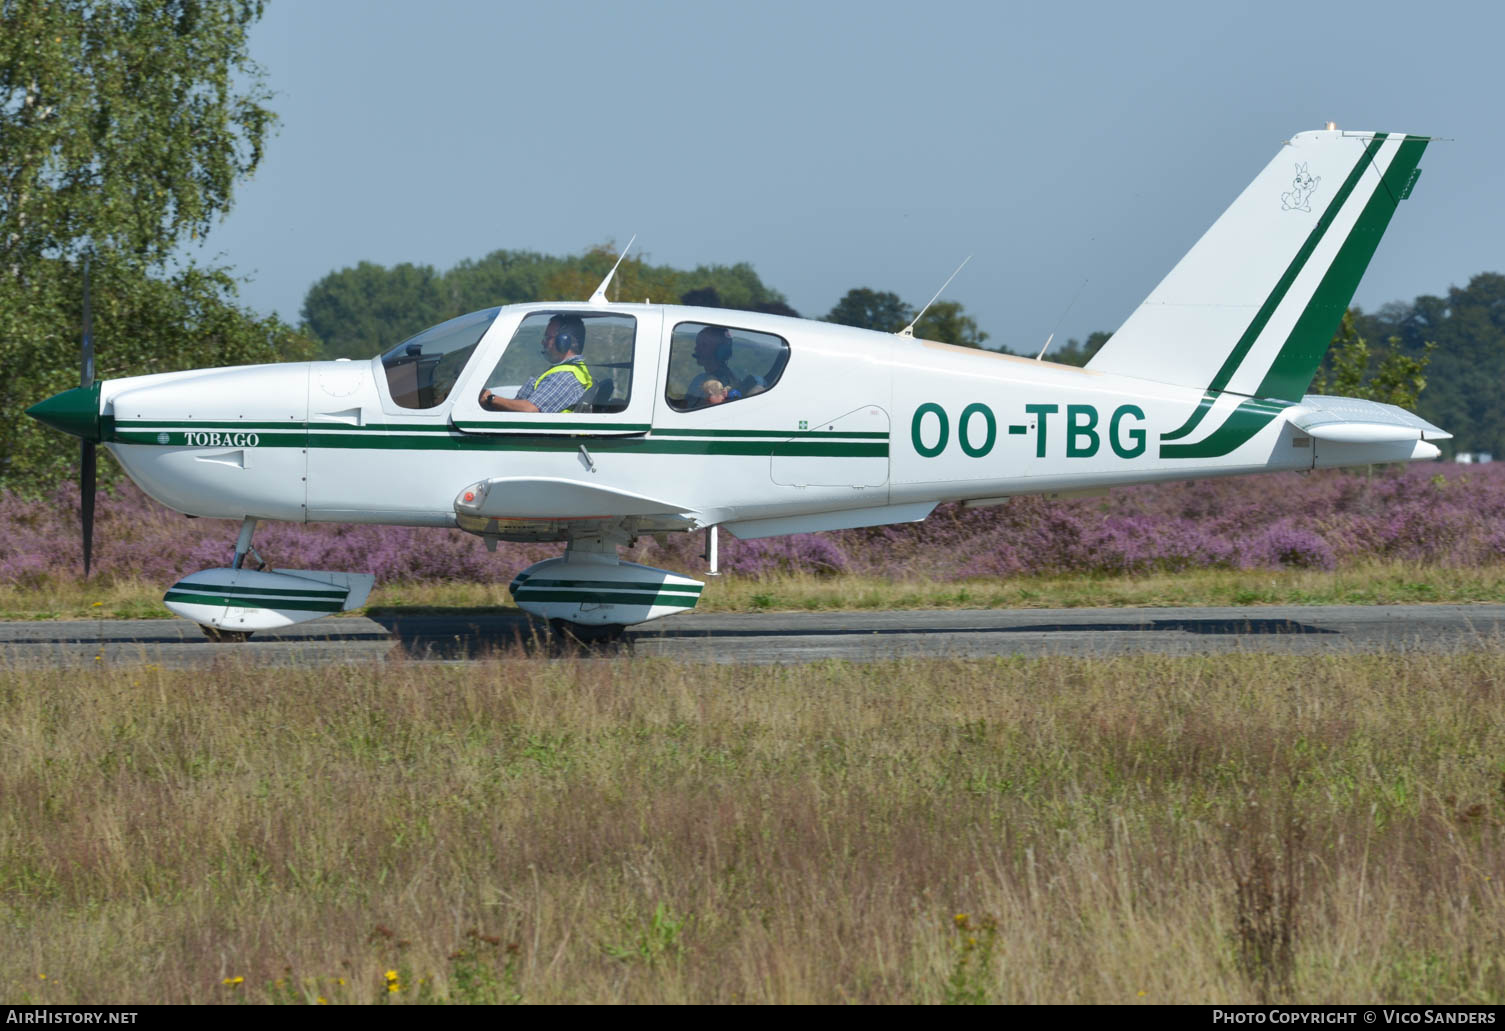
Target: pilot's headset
<point x="567" y="338"/>
<point x="723" y="340"/>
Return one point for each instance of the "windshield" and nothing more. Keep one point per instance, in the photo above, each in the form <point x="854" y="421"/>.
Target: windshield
<point x="422" y="370"/>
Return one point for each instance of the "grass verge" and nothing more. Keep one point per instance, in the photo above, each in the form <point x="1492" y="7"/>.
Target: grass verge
<point x="1167" y="829"/>
<point x="1377" y="583"/>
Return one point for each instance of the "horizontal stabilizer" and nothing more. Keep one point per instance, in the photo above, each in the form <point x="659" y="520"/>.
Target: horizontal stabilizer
<point x="546" y="497"/>
<point x="1352" y="420"/>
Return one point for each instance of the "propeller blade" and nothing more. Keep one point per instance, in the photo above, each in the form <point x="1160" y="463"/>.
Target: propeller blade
<point x="86" y="377"/>
<point x="86" y="465"/>
<point x="86" y="501"/>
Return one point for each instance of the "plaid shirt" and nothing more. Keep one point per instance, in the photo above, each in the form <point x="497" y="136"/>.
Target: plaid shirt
<point x="556" y="389"/>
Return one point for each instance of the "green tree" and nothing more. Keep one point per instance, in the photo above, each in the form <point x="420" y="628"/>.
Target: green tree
<point x="1076" y="352"/>
<point x="733" y="286"/>
<point x="1465" y="392"/>
<point x="871" y="309"/>
<point x="1397" y="378"/>
<point x="501" y="277"/>
<point x="124" y="127"/>
<point x="361" y="311"/>
<point x="947" y="322"/>
<point x="575" y="279"/>
<point x="142" y="323"/>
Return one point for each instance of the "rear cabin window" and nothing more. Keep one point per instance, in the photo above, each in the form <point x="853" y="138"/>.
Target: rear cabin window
<point x="713" y="365"/>
<point x="608" y="349"/>
<point x="422" y="370"/>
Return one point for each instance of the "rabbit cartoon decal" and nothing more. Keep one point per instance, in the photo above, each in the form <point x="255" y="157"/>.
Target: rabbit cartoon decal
<point x="1302" y="188"/>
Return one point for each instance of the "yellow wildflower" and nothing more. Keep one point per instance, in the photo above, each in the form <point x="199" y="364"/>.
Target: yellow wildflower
<point x="391" y="975"/>
<point x="233" y="981"/>
<point x="321" y="1001"/>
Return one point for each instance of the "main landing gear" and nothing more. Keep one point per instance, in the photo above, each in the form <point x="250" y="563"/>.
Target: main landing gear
<point x="233" y="602"/>
<point x="562" y="631"/>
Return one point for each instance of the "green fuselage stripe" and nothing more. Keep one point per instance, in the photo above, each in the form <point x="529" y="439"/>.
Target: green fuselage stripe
<point x="680" y="601"/>
<point x="1203" y="407"/>
<point x="815" y="446"/>
<point x="777" y="434"/>
<point x="532" y="582"/>
<point x="243" y="602"/>
<point x="578" y="427"/>
<point x="441" y="438"/>
<point x="1245" y="421"/>
<point x="274" y="591"/>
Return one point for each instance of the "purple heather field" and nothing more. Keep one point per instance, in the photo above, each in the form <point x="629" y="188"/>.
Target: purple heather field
<point x="1431" y="513"/>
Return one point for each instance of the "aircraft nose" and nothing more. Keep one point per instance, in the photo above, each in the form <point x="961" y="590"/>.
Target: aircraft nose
<point x="73" y="411"/>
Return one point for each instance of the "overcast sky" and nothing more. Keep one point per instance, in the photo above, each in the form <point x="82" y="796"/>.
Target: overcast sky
<point x="835" y="145"/>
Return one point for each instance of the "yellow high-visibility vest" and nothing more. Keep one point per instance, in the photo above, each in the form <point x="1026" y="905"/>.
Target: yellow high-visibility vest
<point x="574" y="368"/>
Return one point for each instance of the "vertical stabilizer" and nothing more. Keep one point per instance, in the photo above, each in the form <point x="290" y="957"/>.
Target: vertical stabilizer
<point x="1252" y="307"/>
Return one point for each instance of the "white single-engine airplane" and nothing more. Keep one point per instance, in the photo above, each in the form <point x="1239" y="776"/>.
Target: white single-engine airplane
<point x="695" y="418"/>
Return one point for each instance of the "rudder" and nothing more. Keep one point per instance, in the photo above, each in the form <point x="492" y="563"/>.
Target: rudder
<point x="1252" y="306"/>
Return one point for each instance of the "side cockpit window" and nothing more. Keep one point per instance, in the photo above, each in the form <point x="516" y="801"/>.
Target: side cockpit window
<point x="423" y="369"/>
<point x="569" y="361"/>
<point x="713" y="365"/>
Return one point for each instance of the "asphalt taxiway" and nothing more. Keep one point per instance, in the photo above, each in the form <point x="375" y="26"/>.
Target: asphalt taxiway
<point x="774" y="637"/>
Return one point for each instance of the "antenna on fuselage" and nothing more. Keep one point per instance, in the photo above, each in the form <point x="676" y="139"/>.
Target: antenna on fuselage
<point x="908" y="331"/>
<point x="599" y="297"/>
<point x="1060" y="320"/>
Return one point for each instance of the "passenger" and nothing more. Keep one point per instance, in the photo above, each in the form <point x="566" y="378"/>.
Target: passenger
<point x="716" y="392"/>
<point x="713" y="348"/>
<point x="560" y="387"/>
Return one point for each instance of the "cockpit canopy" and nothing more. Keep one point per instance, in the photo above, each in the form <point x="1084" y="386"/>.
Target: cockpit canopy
<point x="423" y="369"/>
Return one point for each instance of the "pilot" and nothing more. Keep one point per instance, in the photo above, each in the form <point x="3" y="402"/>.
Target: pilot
<point x="713" y="347"/>
<point x="560" y="387"/>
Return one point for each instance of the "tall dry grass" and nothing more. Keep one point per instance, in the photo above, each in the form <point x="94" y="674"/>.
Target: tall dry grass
<point x="620" y="830"/>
